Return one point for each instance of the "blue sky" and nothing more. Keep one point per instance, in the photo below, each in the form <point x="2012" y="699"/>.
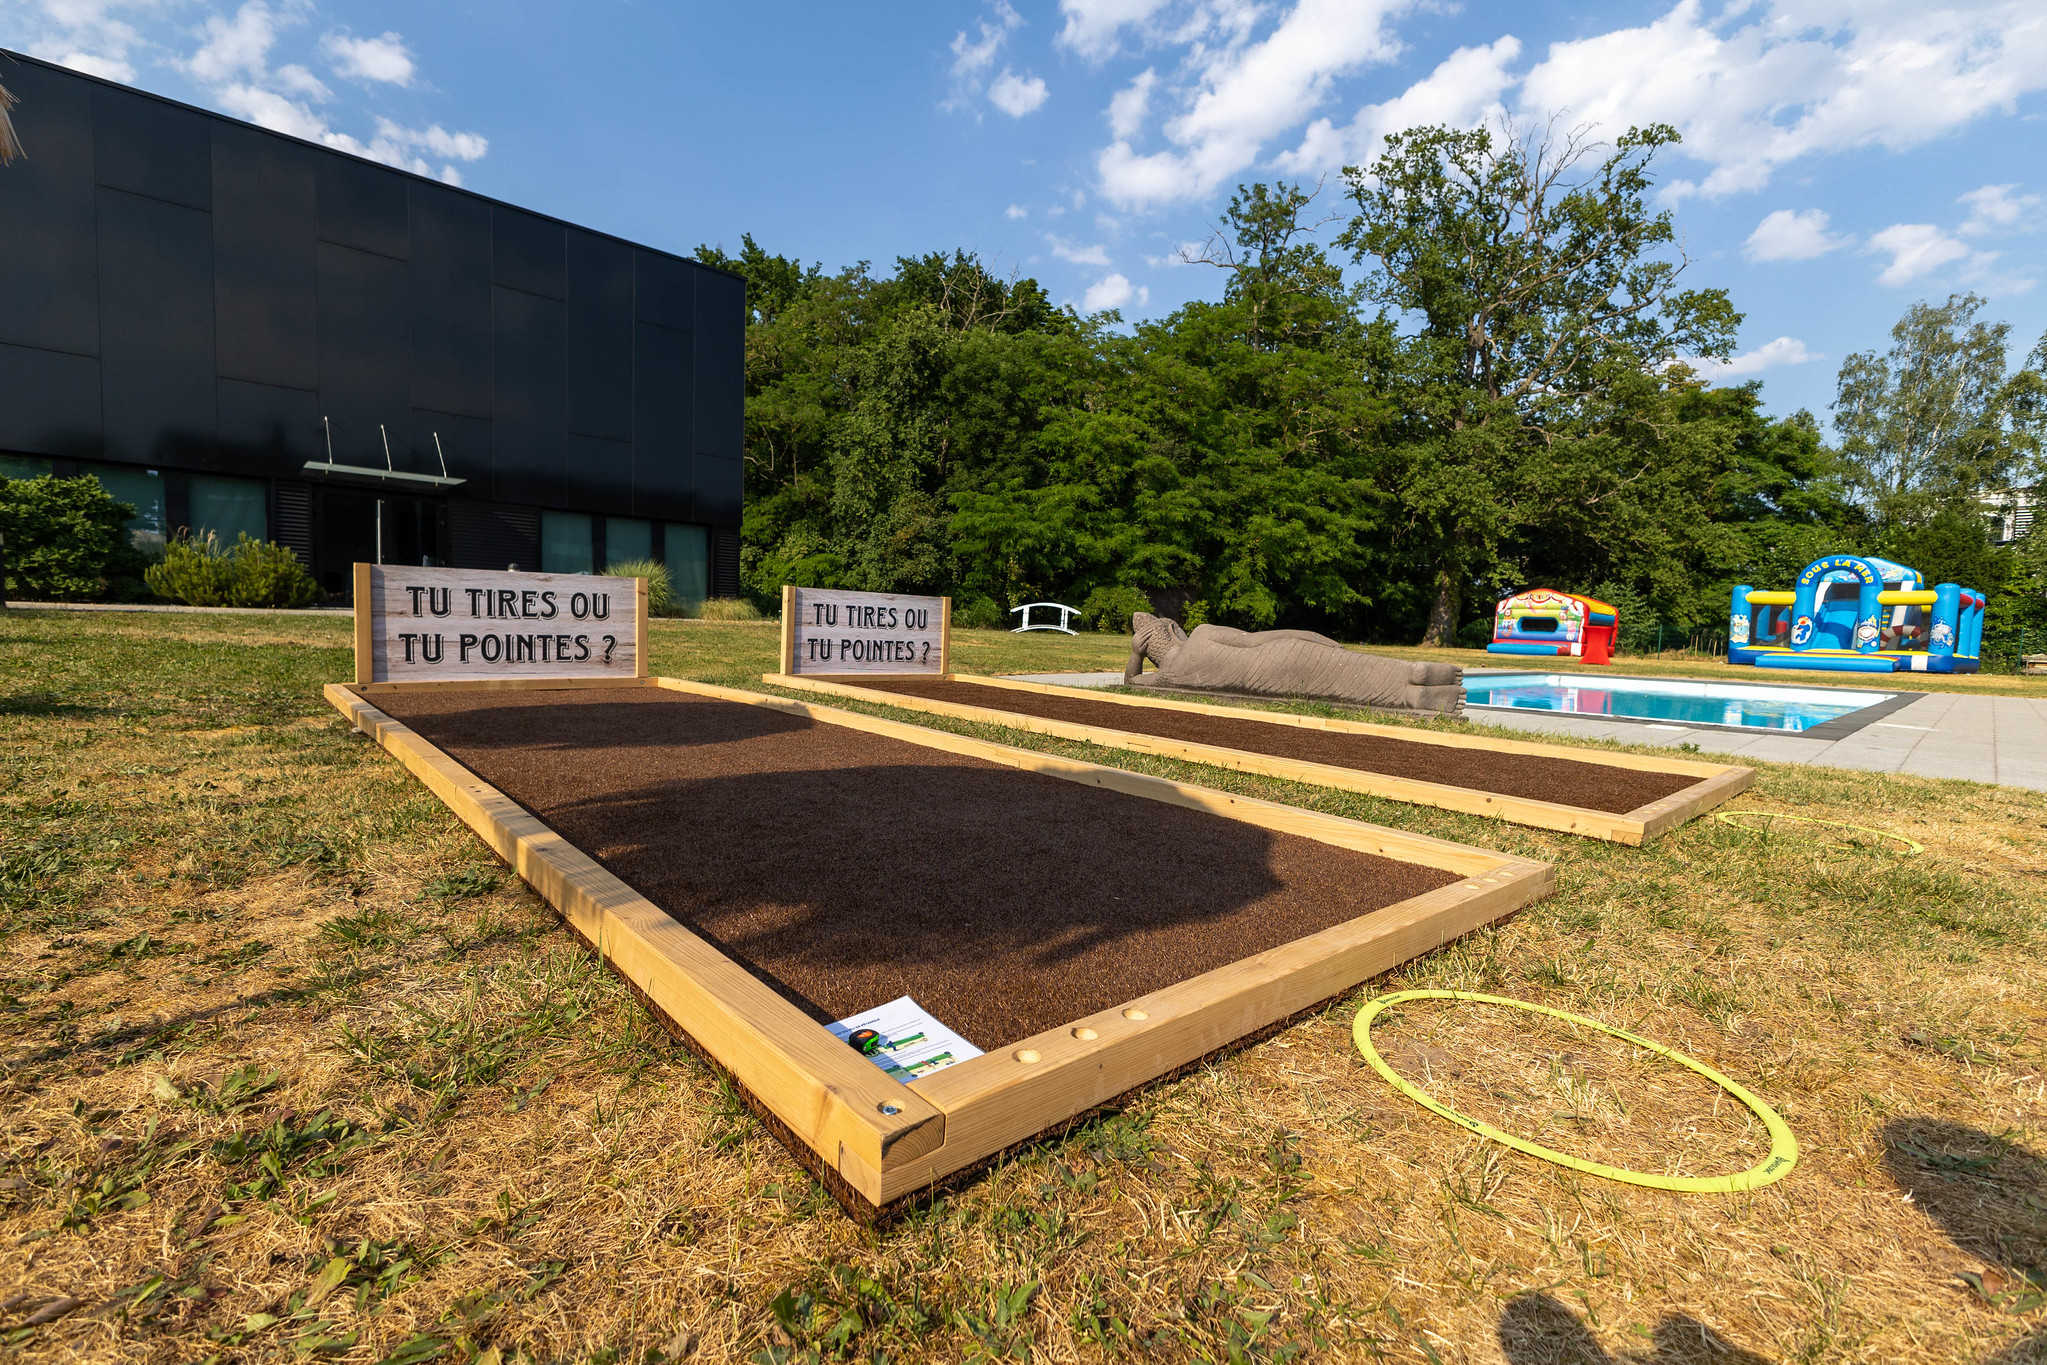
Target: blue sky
<point x="1843" y="157"/>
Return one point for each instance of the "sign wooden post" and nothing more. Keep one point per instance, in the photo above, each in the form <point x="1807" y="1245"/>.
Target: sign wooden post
<point x="479" y="625"/>
<point x="833" y="630"/>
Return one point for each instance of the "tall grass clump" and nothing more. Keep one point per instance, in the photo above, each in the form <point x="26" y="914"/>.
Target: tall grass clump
<point x="726" y="609"/>
<point x="660" y="587"/>
<point x="251" y="573"/>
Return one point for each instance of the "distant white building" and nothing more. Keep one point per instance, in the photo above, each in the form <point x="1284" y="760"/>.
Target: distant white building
<point x="2010" y="513"/>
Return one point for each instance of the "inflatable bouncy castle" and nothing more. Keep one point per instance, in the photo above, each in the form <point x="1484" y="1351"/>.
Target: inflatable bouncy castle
<point x="1858" y="614"/>
<point x="1545" y="621"/>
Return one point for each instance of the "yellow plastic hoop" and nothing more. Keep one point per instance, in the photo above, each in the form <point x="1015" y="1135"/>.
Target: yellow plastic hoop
<point x="1726" y="817"/>
<point x="1783" y="1146"/>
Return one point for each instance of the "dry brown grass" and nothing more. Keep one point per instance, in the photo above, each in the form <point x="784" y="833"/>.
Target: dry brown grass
<point x="234" y="933"/>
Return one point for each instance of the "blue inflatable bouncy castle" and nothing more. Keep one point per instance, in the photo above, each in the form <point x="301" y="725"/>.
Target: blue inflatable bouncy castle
<point x="1858" y="614"/>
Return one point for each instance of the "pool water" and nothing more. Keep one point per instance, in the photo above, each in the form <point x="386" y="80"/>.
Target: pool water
<point x="1672" y="700"/>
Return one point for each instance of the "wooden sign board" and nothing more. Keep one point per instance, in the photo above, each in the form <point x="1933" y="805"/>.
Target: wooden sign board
<point x="832" y="630"/>
<point x="484" y="625"/>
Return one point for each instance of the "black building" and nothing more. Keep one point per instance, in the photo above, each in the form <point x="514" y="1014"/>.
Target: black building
<point x="236" y="330"/>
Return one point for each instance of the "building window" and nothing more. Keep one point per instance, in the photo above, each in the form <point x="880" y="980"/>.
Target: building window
<point x="141" y="489"/>
<point x="627" y="538"/>
<point x="565" y="542"/>
<point x="24" y="467"/>
<point x="687" y="550"/>
<point x="230" y="508"/>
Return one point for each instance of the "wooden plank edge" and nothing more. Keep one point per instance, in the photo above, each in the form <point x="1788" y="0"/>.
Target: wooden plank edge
<point x="1359" y="835"/>
<point x="1520" y="810"/>
<point x="998" y="1099"/>
<point x="640" y="669"/>
<point x="828" y="1096"/>
<point x="1639" y="762"/>
<point x="365" y="656"/>
<point x="1660" y="817"/>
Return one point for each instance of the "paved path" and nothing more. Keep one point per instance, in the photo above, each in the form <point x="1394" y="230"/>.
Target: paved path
<point x="1942" y="734"/>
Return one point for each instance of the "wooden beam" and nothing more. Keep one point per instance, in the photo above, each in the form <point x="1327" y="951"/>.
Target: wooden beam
<point x="365" y="663"/>
<point x="1413" y="734"/>
<point x="1330" y="829"/>
<point x="999" y="1098"/>
<point x="1632" y="827"/>
<point x="788" y="649"/>
<point x="640" y="669"/>
<point x="827" y="1094"/>
<point x="944" y="641"/>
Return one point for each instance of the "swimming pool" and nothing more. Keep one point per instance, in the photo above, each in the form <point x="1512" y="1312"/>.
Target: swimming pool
<point x="1670" y="700"/>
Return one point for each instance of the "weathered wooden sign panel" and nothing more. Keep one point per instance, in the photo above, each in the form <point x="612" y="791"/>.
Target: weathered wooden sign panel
<point x="475" y="625"/>
<point x="831" y="630"/>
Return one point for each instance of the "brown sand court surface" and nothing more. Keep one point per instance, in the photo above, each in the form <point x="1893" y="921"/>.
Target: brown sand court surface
<point x="845" y="869"/>
<point x="1589" y="786"/>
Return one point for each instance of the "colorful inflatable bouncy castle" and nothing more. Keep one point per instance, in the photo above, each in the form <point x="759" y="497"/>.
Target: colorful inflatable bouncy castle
<point x="1858" y="614"/>
<point x="1545" y="621"/>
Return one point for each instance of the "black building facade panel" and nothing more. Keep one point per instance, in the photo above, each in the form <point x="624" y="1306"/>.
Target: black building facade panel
<point x="600" y="337"/>
<point x="529" y="434"/>
<point x="265" y="276"/>
<point x="451" y="270"/>
<point x="720" y="364"/>
<point x="362" y="205"/>
<point x="664" y="291"/>
<point x="600" y="474"/>
<point x="49" y="402"/>
<point x="183" y="291"/>
<point x="151" y="148"/>
<point x="721" y="485"/>
<point x="265" y="429"/>
<point x="48" y="275"/>
<point x="529" y="253"/>
<point x="365" y="353"/>
<point x="156" y="330"/>
<point x="664" y="479"/>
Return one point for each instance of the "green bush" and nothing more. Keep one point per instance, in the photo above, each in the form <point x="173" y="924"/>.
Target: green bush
<point x="978" y="613"/>
<point x="727" y="609"/>
<point x="67" y="540"/>
<point x="255" y="573"/>
<point x="660" y="587"/>
<point x="1110" y="609"/>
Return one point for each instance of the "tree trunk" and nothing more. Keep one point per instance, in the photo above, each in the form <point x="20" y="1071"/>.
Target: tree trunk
<point x="1442" y="631"/>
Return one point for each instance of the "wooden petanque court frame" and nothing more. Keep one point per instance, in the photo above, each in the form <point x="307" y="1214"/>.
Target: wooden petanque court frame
<point x="1715" y="784"/>
<point x="876" y="1143"/>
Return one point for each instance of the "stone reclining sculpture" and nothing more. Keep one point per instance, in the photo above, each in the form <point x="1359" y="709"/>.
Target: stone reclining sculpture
<point x="1285" y="663"/>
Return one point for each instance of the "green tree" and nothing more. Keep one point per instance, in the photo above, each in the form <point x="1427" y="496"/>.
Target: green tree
<point x="1529" y="301"/>
<point x="1938" y="424"/>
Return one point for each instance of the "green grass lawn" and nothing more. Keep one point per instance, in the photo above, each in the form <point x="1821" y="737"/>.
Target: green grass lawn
<point x="295" y="1070"/>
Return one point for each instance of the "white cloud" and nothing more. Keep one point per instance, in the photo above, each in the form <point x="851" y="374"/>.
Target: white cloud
<point x="1130" y="106"/>
<point x="97" y="64"/>
<point x="1014" y="95"/>
<point x="1016" y="211"/>
<point x="1463" y="91"/>
<point x="1800" y="78"/>
<point x="1075" y="252"/>
<point x="973" y="58"/>
<point x="235" y="47"/>
<point x="93" y="36"/>
<point x="1113" y="291"/>
<point x="1918" y="249"/>
<point x="1244" y="93"/>
<point x="385" y="58"/>
<point x="1768" y="356"/>
<point x="1994" y="208"/>
<point x="1792" y="235"/>
<point x="1093" y="26"/>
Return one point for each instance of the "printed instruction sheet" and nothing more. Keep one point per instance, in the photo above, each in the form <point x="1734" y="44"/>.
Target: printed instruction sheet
<point x="904" y="1039"/>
